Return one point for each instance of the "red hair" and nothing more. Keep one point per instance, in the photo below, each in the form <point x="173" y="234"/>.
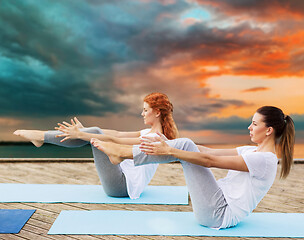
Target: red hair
<point x="160" y="102"/>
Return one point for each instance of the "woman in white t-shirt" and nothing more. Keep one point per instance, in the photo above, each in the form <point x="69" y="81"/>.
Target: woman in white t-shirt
<point x="252" y="169"/>
<point x="124" y="179"/>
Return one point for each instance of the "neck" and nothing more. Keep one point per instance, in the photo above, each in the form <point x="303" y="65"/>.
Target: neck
<point x="157" y="127"/>
<point x="268" y="145"/>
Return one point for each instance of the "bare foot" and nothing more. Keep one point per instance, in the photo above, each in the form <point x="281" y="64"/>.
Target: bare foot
<point x="34" y="136"/>
<point x="116" y="152"/>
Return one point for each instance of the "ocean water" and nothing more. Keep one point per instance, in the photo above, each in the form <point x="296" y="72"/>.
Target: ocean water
<point x="45" y="151"/>
<point x="51" y="151"/>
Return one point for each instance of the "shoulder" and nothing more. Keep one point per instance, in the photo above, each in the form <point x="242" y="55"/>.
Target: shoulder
<point x="145" y="131"/>
<point x="251" y="154"/>
<point x="246" y="149"/>
<point x="261" y="164"/>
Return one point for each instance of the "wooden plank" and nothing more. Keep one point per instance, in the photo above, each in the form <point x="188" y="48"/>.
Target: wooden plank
<point x="284" y="196"/>
<point x="11" y="237"/>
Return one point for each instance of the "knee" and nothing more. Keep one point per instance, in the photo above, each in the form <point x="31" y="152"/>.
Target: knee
<point x="116" y="193"/>
<point x="205" y="220"/>
<point x="209" y="217"/>
<point x="95" y="130"/>
<point x="186" y="144"/>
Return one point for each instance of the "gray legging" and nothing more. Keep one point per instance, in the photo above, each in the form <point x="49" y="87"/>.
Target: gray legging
<point x="208" y="201"/>
<point x="111" y="176"/>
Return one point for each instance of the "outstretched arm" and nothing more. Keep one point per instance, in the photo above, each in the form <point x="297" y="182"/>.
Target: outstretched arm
<point x="120" y="134"/>
<point x="199" y="158"/>
<point x="72" y="131"/>
<point x="217" y="152"/>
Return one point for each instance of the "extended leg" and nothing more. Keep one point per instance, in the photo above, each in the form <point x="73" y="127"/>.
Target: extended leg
<point x="34" y="136"/>
<point x="50" y="137"/>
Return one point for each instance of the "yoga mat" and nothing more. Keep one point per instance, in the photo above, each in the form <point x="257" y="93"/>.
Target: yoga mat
<point x="54" y="193"/>
<point x="111" y="222"/>
<point x="13" y="220"/>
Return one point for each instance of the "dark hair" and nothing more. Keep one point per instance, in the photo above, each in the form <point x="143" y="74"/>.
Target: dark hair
<point x="160" y="101"/>
<point x="284" y="130"/>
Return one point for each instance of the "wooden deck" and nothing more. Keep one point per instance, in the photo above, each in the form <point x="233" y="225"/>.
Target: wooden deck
<point x="284" y="196"/>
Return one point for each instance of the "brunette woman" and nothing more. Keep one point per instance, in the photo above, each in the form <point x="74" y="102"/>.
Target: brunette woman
<point x="252" y="169"/>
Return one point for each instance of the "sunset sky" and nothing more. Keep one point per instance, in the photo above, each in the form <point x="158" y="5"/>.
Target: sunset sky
<point x="218" y="61"/>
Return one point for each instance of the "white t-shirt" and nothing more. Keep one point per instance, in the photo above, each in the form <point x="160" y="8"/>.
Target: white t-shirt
<point x="244" y="190"/>
<point x="138" y="177"/>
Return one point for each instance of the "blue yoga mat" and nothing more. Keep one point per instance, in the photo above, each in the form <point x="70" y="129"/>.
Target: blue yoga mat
<point x="13" y="220"/>
<point x="111" y="222"/>
<point x="54" y="193"/>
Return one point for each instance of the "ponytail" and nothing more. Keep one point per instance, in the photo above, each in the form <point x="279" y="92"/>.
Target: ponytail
<point x="169" y="127"/>
<point x="285" y="131"/>
<point x="286" y="146"/>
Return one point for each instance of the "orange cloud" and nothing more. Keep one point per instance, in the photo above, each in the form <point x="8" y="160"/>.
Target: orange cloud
<point x="256" y="42"/>
<point x="256" y="89"/>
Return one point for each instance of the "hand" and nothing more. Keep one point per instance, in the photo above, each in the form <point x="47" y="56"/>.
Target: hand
<point x="154" y="148"/>
<point x="157" y="138"/>
<point x="162" y="136"/>
<point x="69" y="131"/>
<point x="78" y="124"/>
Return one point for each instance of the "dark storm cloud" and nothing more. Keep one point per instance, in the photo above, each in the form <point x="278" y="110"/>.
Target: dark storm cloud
<point x="57" y="56"/>
<point x="233" y="125"/>
<point x="35" y="100"/>
<point x="257" y="8"/>
<point x="236" y="125"/>
<point x="49" y="68"/>
<point x="201" y="41"/>
<point x="228" y="125"/>
<point x="216" y="105"/>
<point x="200" y="116"/>
<point x="298" y="121"/>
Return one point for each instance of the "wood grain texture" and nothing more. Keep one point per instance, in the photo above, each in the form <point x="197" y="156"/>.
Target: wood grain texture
<point x="284" y="196"/>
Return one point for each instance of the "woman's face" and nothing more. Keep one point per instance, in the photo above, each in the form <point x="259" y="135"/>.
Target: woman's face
<point x="258" y="129"/>
<point x="149" y="114"/>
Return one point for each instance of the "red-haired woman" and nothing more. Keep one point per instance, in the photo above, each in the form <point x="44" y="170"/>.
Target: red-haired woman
<point x="124" y="179"/>
<point x="226" y="202"/>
